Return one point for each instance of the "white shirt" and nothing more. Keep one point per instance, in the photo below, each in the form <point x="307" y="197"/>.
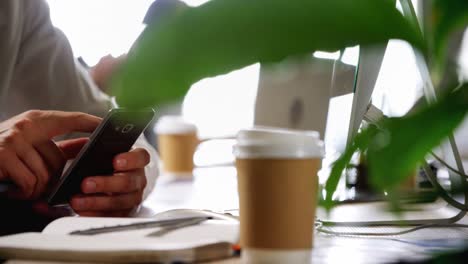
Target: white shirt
<point x="38" y="70"/>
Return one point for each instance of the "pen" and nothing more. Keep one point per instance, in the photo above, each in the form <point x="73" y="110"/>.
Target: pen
<point x="170" y="228"/>
<point x="136" y="226"/>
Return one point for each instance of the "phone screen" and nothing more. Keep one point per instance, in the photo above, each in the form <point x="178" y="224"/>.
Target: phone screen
<point x="116" y="134"/>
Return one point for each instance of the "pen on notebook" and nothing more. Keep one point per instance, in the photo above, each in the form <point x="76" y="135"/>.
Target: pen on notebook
<point x="136" y="226"/>
<point x="167" y="229"/>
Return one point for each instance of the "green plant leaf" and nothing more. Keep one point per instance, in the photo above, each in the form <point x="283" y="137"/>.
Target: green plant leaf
<point x="404" y="142"/>
<point x="223" y="35"/>
<point x="360" y="142"/>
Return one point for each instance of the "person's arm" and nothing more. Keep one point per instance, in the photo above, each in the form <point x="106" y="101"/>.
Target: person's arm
<point x="48" y="77"/>
<point x="104" y="70"/>
<point x="45" y="72"/>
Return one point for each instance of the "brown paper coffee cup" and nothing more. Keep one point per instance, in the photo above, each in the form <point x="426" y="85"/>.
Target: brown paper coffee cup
<point x="278" y="201"/>
<point x="176" y="152"/>
<point x="177" y="142"/>
<point x="277" y="184"/>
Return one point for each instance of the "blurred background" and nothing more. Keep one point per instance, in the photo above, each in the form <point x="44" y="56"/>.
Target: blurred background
<point x="98" y="28"/>
<point x="222" y="105"/>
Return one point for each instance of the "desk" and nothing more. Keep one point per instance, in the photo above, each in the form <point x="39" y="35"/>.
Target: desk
<point x="216" y="189"/>
<point x="211" y="188"/>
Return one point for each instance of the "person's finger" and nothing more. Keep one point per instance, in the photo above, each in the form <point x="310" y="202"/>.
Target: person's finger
<point x="72" y="147"/>
<point x="135" y="159"/>
<point x="27" y="130"/>
<point x="31" y="158"/>
<point x="42" y="208"/>
<point x="106" y="202"/>
<point x="21" y="176"/>
<point x="55" y="123"/>
<point x="52" y="154"/>
<point x="125" y="182"/>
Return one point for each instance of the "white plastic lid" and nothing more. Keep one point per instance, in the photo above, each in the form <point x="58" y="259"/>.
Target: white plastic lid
<point x="266" y="142"/>
<point x="174" y="125"/>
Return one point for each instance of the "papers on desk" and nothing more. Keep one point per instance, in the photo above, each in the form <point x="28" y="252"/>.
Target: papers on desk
<point x="212" y="239"/>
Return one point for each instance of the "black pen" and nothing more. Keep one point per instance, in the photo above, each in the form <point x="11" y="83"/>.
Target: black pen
<point x="136" y="226"/>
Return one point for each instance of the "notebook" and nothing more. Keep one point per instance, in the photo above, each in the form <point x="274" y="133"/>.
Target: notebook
<point x="209" y="240"/>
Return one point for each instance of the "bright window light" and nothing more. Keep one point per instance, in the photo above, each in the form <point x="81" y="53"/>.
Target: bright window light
<point x="327" y="55"/>
<point x="98" y="28"/>
<point x="463" y="59"/>
<point x="351" y="56"/>
<point x="195" y="2"/>
<point x="399" y="84"/>
<point x="222" y="105"/>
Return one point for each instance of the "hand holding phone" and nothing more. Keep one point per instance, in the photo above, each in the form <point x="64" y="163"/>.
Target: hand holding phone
<point x="116" y="134"/>
<point x="29" y="157"/>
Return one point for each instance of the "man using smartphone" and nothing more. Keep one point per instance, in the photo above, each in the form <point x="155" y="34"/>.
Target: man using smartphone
<point x="38" y="71"/>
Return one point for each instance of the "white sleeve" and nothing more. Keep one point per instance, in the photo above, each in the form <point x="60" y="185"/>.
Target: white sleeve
<point x="152" y="169"/>
<point x="48" y="77"/>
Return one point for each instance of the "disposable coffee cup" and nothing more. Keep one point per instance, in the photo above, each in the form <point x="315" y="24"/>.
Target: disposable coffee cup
<point x="277" y="184"/>
<point x="177" y="142"/>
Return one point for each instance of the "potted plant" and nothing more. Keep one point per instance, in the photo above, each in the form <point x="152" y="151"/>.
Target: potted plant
<point x="223" y="35"/>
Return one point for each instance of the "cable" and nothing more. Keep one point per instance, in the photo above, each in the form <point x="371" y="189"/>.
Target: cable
<point x="442" y="192"/>
<point x="448" y="166"/>
<point x="323" y="229"/>
<point x="420" y="224"/>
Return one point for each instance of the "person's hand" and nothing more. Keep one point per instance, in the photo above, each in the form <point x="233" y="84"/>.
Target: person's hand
<point x="29" y="157"/>
<point x="103" y="71"/>
<point x="112" y="195"/>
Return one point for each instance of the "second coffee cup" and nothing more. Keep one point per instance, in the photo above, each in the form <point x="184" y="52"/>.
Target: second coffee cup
<point x="177" y="142"/>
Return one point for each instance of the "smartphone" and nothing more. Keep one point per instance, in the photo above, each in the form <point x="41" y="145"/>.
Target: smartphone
<point x="116" y="134"/>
